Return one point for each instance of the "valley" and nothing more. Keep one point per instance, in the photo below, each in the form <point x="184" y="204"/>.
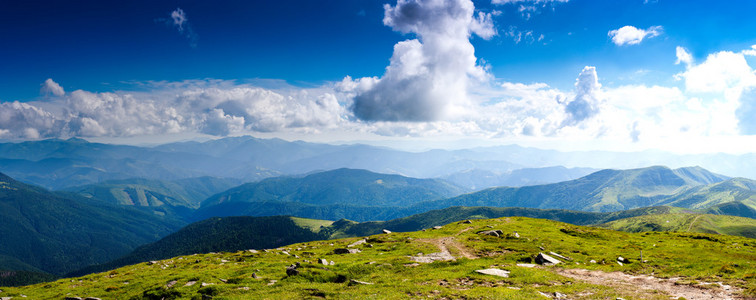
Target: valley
<point x="111" y="223"/>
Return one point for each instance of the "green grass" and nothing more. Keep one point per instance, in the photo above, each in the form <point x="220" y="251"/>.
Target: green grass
<point x="695" y="257"/>
<point x="686" y="222"/>
<point x="311" y="224"/>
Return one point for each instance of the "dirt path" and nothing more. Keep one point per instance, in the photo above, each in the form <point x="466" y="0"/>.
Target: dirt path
<point x="644" y="286"/>
<point x="694" y="221"/>
<point x="444" y="244"/>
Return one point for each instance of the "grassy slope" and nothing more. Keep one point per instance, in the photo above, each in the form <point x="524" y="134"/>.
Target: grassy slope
<point x="150" y="192"/>
<point x="682" y="222"/>
<point x="219" y="234"/>
<point x="695" y="257"/>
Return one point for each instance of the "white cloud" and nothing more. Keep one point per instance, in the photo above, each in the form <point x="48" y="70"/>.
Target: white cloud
<point x="528" y="8"/>
<point x="215" y="108"/>
<point x="587" y="97"/>
<point x="428" y="77"/>
<point x="722" y="72"/>
<point x="180" y="21"/>
<point x="50" y="87"/>
<point x="528" y="1"/>
<point x="629" y="35"/>
<point x="683" y="56"/>
<point x="179" y="18"/>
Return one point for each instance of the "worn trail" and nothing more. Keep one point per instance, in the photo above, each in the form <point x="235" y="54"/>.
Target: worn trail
<point x="645" y="286"/>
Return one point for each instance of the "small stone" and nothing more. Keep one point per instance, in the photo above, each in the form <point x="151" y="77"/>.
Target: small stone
<point x="559" y="295"/>
<point x="152" y="262"/>
<point x="466" y="222"/>
<point x="356" y="282"/>
<point x="494" y="272"/>
<point x="66" y="298"/>
<point x="593" y="261"/>
<point x="331" y="263"/>
<point x="223" y="280"/>
<point x="517" y="235"/>
<point x="254" y="275"/>
<point x="224" y="261"/>
<point x="438" y="227"/>
<point x="272" y="282"/>
<point x="190" y="283"/>
<point x="253" y="251"/>
<point x="87" y="298"/>
<point x="285" y="253"/>
<point x="170" y="284"/>
<point x="526" y="265"/>
<point x="623" y="260"/>
<point x="204" y="284"/>
<point x="323" y="261"/>
<point x="386" y="231"/>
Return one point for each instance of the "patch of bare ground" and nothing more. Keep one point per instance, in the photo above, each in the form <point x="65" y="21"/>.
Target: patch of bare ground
<point x="645" y="286"/>
<point x="444" y="244"/>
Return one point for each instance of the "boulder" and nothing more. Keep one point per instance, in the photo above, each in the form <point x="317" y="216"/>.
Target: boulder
<point x="170" y="284"/>
<point x="496" y="233"/>
<point x="466" y="222"/>
<point x="292" y="270"/>
<point x="544" y="259"/>
<point x="357" y="243"/>
<point x="438" y="227"/>
<point x="623" y="260"/>
<point x="559" y="255"/>
<point x="386" y="231"/>
<point x="341" y="251"/>
<point x="323" y="261"/>
<point x="494" y="272"/>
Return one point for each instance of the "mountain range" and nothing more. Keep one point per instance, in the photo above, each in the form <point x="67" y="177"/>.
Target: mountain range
<point x="58" y="164"/>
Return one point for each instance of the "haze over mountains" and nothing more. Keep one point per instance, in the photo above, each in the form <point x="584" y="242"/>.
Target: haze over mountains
<point x="58" y="164"/>
<point x="112" y="199"/>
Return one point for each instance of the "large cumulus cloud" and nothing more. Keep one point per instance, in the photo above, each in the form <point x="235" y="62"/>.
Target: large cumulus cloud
<point x="217" y="109"/>
<point x="428" y="77"/>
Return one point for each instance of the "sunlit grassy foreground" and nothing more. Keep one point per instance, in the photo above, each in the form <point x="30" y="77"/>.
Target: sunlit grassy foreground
<point x="384" y="267"/>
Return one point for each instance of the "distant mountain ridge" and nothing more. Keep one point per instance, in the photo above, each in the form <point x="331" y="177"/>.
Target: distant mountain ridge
<point x="339" y="190"/>
<point x="605" y="190"/>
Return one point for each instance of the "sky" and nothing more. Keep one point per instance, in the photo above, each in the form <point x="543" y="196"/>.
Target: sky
<point x="562" y="74"/>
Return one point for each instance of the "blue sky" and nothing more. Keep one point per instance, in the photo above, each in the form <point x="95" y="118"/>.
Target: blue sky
<point x="556" y="73"/>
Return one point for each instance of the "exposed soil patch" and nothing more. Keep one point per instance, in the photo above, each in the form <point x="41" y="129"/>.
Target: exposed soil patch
<point x="646" y="285"/>
<point x="444" y="244"/>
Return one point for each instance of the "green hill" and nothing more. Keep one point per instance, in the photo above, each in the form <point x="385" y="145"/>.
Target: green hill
<point x="442" y="263"/>
<point x="239" y="233"/>
<point x="57" y="233"/>
<point x="179" y="197"/>
<point x="606" y="190"/>
<point x="341" y="193"/>
<point x="685" y="222"/>
<point x="221" y="234"/>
